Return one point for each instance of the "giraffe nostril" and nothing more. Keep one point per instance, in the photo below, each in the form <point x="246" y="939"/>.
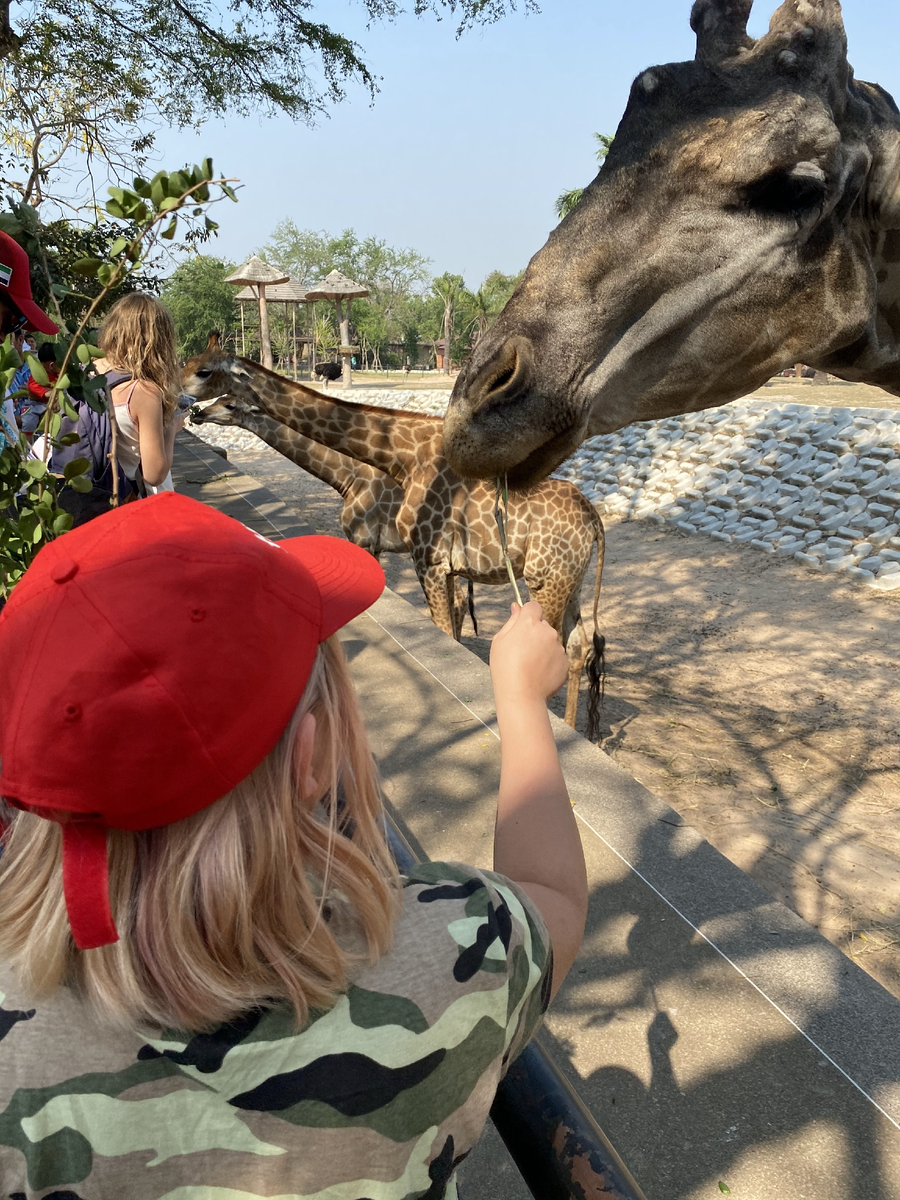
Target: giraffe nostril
<point x="508" y="375"/>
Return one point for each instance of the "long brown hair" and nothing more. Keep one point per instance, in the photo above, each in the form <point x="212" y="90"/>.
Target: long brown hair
<point x="262" y="897"/>
<point x="138" y="336"/>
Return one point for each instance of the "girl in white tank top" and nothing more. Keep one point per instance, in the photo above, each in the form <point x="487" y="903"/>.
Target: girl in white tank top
<point x="128" y="442"/>
<point x="138" y="338"/>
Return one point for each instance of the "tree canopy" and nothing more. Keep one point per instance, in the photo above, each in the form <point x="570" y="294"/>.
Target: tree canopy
<point x="88" y="79"/>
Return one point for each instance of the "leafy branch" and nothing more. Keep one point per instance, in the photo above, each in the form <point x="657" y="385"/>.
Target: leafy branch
<point x="29" y="490"/>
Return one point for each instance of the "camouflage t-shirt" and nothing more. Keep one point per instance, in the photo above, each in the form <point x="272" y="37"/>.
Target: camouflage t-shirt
<point x="377" y="1099"/>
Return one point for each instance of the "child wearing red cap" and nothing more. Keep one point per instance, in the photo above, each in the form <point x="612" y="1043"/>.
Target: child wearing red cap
<point x="213" y="982"/>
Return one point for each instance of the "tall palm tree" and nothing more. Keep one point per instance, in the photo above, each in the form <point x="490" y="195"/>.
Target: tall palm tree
<point x="483" y="311"/>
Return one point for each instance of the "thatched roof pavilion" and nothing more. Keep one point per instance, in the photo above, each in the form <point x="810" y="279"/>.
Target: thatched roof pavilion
<point x="259" y="275"/>
<point x="338" y="287"/>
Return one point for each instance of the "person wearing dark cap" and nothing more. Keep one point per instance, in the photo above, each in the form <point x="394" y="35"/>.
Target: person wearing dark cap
<point x="213" y="981"/>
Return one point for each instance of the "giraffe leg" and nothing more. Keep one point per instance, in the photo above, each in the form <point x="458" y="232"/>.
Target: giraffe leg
<point x="459" y="603"/>
<point x="436" y="585"/>
<point x="576" y="644"/>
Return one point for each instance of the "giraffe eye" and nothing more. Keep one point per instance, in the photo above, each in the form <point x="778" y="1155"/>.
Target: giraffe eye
<point x="783" y="193"/>
<point x="203" y="373"/>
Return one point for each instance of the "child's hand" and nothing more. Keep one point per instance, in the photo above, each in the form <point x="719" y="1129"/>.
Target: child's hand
<point x="527" y="661"/>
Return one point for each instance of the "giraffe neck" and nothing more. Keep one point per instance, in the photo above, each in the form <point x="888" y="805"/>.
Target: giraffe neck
<point x="337" y="470"/>
<point x="394" y="442"/>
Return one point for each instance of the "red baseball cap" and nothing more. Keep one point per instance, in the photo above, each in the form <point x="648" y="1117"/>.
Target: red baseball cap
<point x="15" y="283"/>
<point x="149" y="661"/>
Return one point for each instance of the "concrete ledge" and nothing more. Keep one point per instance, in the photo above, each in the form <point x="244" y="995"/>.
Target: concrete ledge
<point x="714" y="1035"/>
<point x="777" y="1032"/>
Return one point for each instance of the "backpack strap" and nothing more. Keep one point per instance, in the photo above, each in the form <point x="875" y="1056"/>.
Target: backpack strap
<point x="114" y="378"/>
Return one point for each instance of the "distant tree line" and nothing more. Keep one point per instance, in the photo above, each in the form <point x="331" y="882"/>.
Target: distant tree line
<point x="406" y="316"/>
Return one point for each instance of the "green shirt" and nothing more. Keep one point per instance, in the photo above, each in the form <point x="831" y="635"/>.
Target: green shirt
<point x="377" y="1099"/>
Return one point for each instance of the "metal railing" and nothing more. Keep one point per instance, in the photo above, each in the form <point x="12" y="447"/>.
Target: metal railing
<point x="560" y="1150"/>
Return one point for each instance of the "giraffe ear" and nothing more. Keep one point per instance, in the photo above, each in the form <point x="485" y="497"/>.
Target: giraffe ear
<point x="721" y="29"/>
<point x="212" y="342"/>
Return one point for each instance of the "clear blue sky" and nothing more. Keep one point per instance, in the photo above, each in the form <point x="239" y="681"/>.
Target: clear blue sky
<point x="469" y="142"/>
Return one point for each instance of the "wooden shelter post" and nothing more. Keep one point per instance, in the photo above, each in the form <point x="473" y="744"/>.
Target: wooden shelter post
<point x="339" y="288"/>
<point x="256" y="274"/>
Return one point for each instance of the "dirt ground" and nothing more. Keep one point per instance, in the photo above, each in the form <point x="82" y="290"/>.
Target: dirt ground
<point x="758" y="699"/>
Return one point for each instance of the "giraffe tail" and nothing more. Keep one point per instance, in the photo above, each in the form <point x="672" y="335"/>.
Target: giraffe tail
<point x="471" y="602"/>
<point x="596" y="659"/>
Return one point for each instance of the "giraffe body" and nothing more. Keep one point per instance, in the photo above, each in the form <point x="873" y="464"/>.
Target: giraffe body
<point x="446" y="524"/>
<point x="747" y="218"/>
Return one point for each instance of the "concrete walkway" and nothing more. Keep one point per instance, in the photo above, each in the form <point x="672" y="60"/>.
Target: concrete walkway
<point x="715" y="1035"/>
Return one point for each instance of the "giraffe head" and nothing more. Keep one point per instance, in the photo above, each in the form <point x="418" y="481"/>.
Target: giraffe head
<point x="215" y="375"/>
<point x="731" y="232"/>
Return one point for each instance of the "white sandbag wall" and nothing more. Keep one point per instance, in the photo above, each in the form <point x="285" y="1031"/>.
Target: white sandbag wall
<point x="821" y="485"/>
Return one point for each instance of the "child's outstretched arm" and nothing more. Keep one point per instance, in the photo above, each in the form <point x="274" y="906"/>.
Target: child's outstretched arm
<point x="536" y="840"/>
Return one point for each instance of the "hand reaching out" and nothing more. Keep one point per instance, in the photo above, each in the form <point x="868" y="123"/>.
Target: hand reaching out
<point x="527" y="661"/>
<point x="536" y="840"/>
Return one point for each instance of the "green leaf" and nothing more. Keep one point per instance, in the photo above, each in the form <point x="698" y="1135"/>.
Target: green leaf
<point x="115" y="209"/>
<point x="169" y="232"/>
<point x="27" y="524"/>
<point x="84" y="354"/>
<point x="87" y="266"/>
<point x="169" y="203"/>
<point x="62" y="523"/>
<point x="229" y="192"/>
<point x="63" y="382"/>
<point x="37" y="535"/>
<point x="69" y="439"/>
<point x="724" y="1188"/>
<point x="55" y="423"/>
<point x="37" y="369"/>
<point x="77" y="466"/>
<point x="81" y="483"/>
<point x="159" y="187"/>
<point x="35" y="468"/>
<point x="118" y="246"/>
<point x="108" y="274"/>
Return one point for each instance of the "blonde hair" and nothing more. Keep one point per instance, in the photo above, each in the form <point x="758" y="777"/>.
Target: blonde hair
<point x="262" y="897"/>
<point x="138" y="336"/>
